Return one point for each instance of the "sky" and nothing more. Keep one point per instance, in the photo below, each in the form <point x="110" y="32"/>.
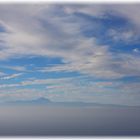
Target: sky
<point x="70" y="52"/>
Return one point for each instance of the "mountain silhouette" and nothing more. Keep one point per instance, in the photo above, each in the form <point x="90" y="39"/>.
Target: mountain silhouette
<point x="45" y="101"/>
<point x="40" y="100"/>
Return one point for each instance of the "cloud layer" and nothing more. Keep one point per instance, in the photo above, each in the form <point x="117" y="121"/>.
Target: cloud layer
<point x="98" y="41"/>
<point x="56" y="31"/>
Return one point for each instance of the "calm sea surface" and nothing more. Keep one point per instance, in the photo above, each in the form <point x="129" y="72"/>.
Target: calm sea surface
<point x="69" y="121"/>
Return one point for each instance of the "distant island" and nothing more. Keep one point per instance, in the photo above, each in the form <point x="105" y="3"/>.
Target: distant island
<point x="45" y="101"/>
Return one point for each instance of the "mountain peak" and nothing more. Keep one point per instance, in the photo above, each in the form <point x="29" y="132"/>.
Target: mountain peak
<point x="42" y="99"/>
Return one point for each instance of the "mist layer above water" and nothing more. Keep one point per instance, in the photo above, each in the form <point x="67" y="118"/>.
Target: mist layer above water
<point x="68" y="121"/>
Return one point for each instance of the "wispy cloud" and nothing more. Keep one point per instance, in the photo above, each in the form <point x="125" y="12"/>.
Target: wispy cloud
<point x="73" y="89"/>
<point x="61" y="36"/>
<point x="16" y="68"/>
<point x="11" y="76"/>
<point x="85" y="38"/>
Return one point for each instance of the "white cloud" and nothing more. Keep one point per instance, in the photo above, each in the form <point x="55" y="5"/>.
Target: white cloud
<point x="55" y="31"/>
<point x="128" y="11"/>
<point x="11" y="76"/>
<point x="128" y="36"/>
<point x="16" y="68"/>
<point x="136" y="50"/>
<point x="74" y="89"/>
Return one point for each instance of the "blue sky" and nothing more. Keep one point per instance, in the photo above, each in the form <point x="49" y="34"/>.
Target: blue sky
<point x="70" y="52"/>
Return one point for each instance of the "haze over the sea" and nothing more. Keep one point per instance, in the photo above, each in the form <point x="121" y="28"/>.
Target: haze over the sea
<point x="69" y="69"/>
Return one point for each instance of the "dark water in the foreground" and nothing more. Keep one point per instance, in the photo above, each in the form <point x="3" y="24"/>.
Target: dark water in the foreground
<point x="69" y="121"/>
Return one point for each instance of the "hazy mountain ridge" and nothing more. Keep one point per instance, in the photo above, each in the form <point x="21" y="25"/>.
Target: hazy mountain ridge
<point x="35" y="101"/>
<point x="45" y="101"/>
